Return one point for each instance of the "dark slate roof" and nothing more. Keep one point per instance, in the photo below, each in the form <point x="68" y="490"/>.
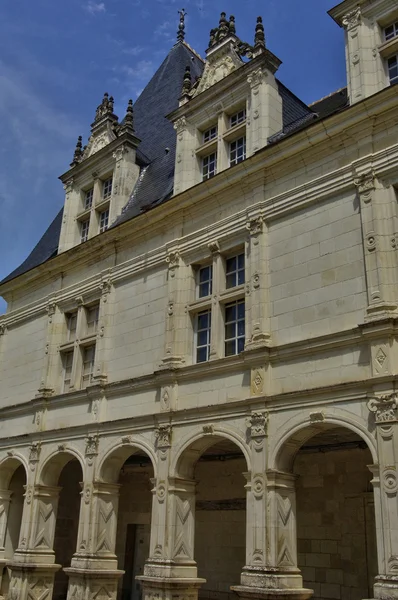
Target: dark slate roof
<point x="159" y="98"/>
<point x="156" y="152"/>
<point x="318" y="110"/>
<point x="46" y="248"/>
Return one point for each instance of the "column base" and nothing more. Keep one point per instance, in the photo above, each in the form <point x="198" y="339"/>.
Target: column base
<point x="268" y="592"/>
<point x="31" y="580"/>
<point x="100" y="583"/>
<point x="167" y="588"/>
<point x="386" y="586"/>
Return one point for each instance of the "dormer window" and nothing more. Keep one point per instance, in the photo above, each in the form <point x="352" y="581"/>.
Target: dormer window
<point x="392" y="64"/>
<point x="209" y="166"/>
<point x="391" y="32"/>
<point x="210" y="134"/>
<point x="104" y="220"/>
<point x="238" y="118"/>
<point x="237" y="151"/>
<point x="88" y="198"/>
<point x="107" y="188"/>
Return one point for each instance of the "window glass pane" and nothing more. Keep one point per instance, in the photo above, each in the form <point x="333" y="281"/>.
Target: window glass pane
<point x="203" y="329"/>
<point x="84" y="227"/>
<point x="230" y="348"/>
<point x="393" y="69"/>
<point x="92" y="319"/>
<point x="104" y="218"/>
<point x="205" y="281"/>
<point x="234" y="327"/>
<point x="67" y="360"/>
<point x="88" y="365"/>
<point x="210" y="134"/>
<point x="209" y="166"/>
<point x="235" y="270"/>
<point x="107" y="188"/>
<point x="88" y="198"/>
<point x="71" y="322"/>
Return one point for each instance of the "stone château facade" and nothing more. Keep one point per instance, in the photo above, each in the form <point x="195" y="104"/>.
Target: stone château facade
<point x="198" y="361"/>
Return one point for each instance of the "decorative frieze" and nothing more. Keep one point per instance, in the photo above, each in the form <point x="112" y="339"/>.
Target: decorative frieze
<point x="91" y="450"/>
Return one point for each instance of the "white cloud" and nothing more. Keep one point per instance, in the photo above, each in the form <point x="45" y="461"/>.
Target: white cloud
<point x="95" y="8"/>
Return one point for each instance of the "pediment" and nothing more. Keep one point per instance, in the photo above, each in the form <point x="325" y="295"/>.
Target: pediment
<point x="218" y="66"/>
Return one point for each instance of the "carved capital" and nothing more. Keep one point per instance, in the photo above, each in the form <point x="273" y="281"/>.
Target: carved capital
<point x="173" y="261"/>
<point x="255" y="226"/>
<point x="255" y="78"/>
<point x="34" y="454"/>
<point x="68" y="185"/>
<point x="214" y="247"/>
<point x="105" y="287"/>
<point x="352" y="19"/>
<point x="51" y="308"/>
<point x="257" y="424"/>
<point x="91" y="448"/>
<point x="119" y="152"/>
<point x="365" y="184"/>
<point x="180" y="125"/>
<point x="384" y="407"/>
<point x="163" y="435"/>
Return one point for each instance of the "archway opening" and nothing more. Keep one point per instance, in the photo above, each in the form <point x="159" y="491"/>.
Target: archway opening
<point x="336" y="534"/>
<point x="16" y="490"/>
<point x="220" y="518"/>
<point x="67" y="523"/>
<point x="133" y="520"/>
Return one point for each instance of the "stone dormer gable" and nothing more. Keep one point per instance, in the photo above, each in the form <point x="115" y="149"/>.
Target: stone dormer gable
<point x="231" y="110"/>
<point x="226" y="52"/>
<point x="101" y="177"/>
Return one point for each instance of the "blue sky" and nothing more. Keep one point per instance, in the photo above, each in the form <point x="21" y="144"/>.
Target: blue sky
<point x="58" y="57"/>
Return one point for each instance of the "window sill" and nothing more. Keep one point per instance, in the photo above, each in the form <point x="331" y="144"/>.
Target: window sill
<point x="236" y="293"/>
<point x="200" y="304"/>
<point x="235" y="132"/>
<point x="103" y="204"/>
<point x="207" y="148"/>
<point x="84" y="215"/>
<point x="388" y="48"/>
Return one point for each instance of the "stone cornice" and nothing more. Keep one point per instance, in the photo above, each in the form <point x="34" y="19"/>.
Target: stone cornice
<point x="369" y="8"/>
<point x="250" y="172"/>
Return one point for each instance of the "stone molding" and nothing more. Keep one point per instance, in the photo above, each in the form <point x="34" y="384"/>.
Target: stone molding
<point x="385" y="408"/>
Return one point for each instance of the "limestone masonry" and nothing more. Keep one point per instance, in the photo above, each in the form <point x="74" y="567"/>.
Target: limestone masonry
<point x="198" y="362"/>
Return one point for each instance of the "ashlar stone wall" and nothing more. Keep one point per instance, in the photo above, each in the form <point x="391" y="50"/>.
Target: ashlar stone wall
<point x="335" y="523"/>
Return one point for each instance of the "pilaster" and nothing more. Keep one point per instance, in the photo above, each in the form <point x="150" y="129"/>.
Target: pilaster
<point x="103" y="341"/>
<point x="265" y="114"/>
<point x="51" y="356"/>
<point x="5" y="497"/>
<point x="378" y="218"/>
<point x="178" y="275"/>
<point x="185" y="175"/>
<point x="385" y="482"/>
<point x="125" y="176"/>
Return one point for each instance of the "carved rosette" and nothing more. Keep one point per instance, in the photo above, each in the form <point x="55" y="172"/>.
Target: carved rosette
<point x="384" y="407"/>
<point x="257" y="425"/>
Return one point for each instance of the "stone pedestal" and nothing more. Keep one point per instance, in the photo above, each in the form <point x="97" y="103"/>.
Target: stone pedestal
<point x="33" y="581"/>
<point x="271" y="590"/>
<point x="168" y="588"/>
<point x="93" y="583"/>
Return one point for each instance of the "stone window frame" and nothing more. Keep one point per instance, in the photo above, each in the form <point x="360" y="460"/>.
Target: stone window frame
<point x="84" y="229"/>
<point x="394" y="27"/>
<point x="388" y="47"/>
<point x="210" y="134"/>
<point x="99" y="204"/>
<point x="198" y="330"/>
<point x="220" y="297"/>
<point x="103" y="219"/>
<point x="88" y="198"/>
<point x="393" y="79"/>
<point x="107" y="188"/>
<point x="84" y="336"/>
<point x="237" y="151"/>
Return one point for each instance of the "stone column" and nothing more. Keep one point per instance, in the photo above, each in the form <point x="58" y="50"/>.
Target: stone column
<point x="379" y="221"/>
<point x="93" y="571"/>
<point x="271" y="558"/>
<point x="5" y="497"/>
<point x="385" y="482"/>
<point x="103" y="342"/>
<point x="217" y="321"/>
<point x="170" y="573"/>
<point x="33" y="565"/>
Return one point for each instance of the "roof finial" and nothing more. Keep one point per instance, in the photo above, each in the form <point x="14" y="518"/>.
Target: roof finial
<point x="181" y="26"/>
<point x="128" y="121"/>
<point x="232" y="28"/>
<point x="187" y="83"/>
<point x="105" y="108"/>
<point x="259" y="37"/>
<point x="77" y="156"/>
